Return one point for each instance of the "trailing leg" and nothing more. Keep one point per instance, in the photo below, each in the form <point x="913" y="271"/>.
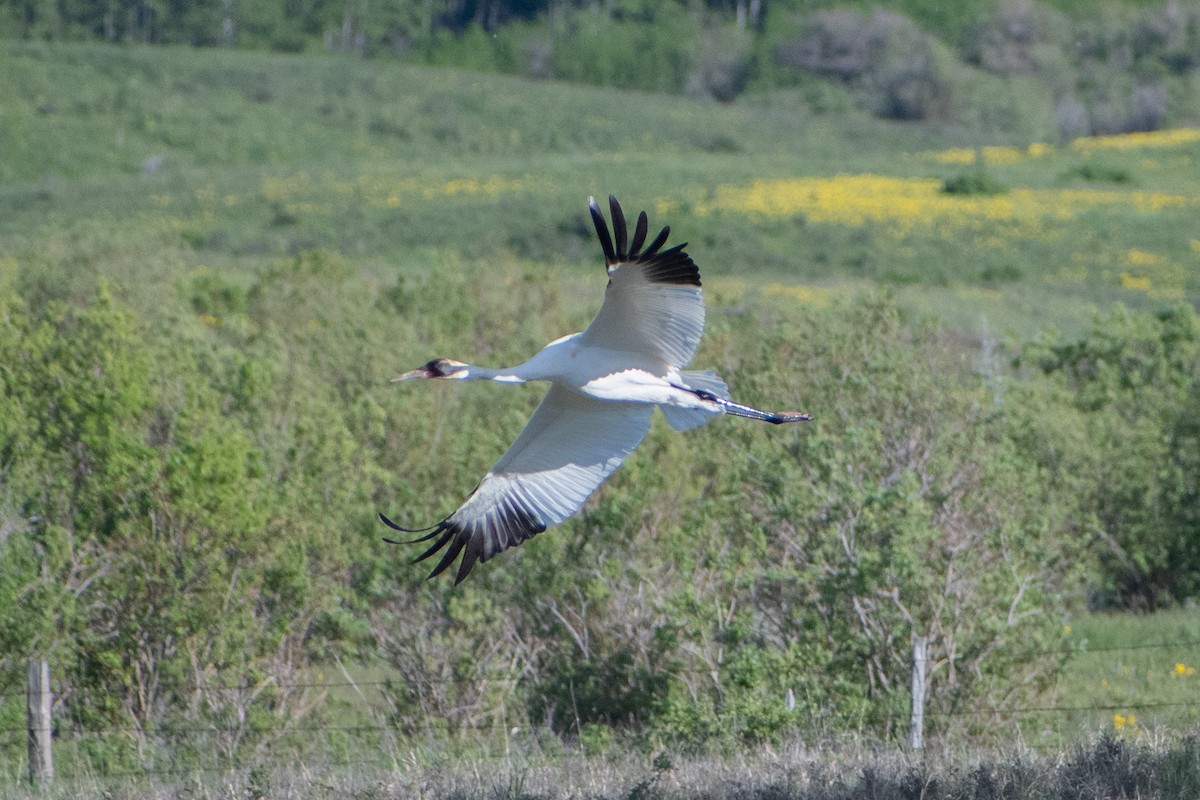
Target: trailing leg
<point x="749" y="412"/>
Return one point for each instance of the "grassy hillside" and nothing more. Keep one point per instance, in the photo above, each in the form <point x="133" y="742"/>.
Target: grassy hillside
<point x="243" y="157"/>
<point x="211" y="263"/>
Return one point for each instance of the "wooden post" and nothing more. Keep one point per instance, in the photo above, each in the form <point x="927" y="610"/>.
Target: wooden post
<point x="917" y="721"/>
<point x="38" y="702"/>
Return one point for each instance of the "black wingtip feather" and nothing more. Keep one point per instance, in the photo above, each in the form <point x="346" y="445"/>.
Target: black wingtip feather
<point x="620" y="234"/>
<point x="516" y="525"/>
<point x="658" y="242"/>
<point x="455" y="537"/>
<point x="470" y="555"/>
<point x="610" y="255"/>
<point x="396" y="527"/>
<point x="670" y="266"/>
<point x="639" y="235"/>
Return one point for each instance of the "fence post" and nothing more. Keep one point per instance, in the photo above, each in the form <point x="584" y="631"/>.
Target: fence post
<point x="38" y="702"/>
<point x="917" y="721"/>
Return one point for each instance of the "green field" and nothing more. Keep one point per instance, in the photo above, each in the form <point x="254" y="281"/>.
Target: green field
<point x="250" y="157"/>
<point x="212" y="262"/>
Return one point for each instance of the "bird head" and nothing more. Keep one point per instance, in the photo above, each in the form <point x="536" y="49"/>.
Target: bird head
<point x="437" y="368"/>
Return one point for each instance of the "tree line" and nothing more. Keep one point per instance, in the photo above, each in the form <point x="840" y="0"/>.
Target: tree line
<point x="353" y="25"/>
<point x="1126" y="70"/>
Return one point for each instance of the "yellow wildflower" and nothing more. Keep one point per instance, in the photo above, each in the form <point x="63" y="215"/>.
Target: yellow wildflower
<point x="1183" y="670"/>
<point x="1134" y="283"/>
<point x="1001" y="155"/>
<point x="1140" y="258"/>
<point x="992" y="155"/>
<point x="809" y="295"/>
<point x="905" y="203"/>
<point x="1123" y="721"/>
<point x="955" y="155"/>
<point x="1133" y="141"/>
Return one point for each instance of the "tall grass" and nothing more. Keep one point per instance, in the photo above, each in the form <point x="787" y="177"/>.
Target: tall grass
<point x="1101" y="767"/>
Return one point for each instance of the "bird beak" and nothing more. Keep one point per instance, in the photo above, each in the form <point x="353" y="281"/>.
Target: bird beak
<point x="412" y="374"/>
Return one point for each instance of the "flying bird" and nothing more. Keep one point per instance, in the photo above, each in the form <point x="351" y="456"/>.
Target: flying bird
<point x="604" y="386"/>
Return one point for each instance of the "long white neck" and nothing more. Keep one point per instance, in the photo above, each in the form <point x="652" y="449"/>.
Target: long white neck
<point x="502" y="375"/>
<point x="550" y="363"/>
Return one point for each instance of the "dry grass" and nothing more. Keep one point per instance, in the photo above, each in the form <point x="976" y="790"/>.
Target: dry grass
<point x="1107" y="767"/>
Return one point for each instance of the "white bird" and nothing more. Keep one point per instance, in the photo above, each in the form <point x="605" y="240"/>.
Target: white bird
<point x="604" y="386"/>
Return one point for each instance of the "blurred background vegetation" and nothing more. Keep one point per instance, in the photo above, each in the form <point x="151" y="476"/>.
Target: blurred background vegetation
<point x="1076" y="68"/>
<point x="962" y="236"/>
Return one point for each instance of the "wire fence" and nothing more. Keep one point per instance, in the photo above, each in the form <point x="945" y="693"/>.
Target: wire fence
<point x="380" y="728"/>
<point x="1186" y="644"/>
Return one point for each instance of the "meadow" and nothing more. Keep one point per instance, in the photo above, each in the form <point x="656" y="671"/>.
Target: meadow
<point x="212" y="262"/>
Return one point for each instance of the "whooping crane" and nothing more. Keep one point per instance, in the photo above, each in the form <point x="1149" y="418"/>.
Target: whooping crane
<point x="604" y="385"/>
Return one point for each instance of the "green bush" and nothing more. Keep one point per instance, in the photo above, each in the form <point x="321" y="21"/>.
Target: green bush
<point x="904" y="510"/>
<point x="147" y="547"/>
<point x="903" y="71"/>
<point x="1128" y="461"/>
<point x="975" y="182"/>
<point x="592" y="47"/>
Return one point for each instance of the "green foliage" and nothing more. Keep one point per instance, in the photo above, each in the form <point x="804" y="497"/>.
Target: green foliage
<point x="595" y="48"/>
<point x="920" y="517"/>
<point x="897" y="67"/>
<point x="197" y="429"/>
<point x="1133" y="382"/>
<point x="975" y="182"/>
<point x="1020" y="68"/>
<point x="146" y="566"/>
<point x="1091" y="171"/>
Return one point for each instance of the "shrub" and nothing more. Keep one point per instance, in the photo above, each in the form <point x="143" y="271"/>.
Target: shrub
<point x="1169" y="36"/>
<point x="1021" y="38"/>
<point x="885" y="54"/>
<point x="722" y="65"/>
<point x="591" y="47"/>
<point x="1071" y="117"/>
<point x="1106" y="173"/>
<point x="836" y="43"/>
<point x="1128" y="458"/>
<point x="937" y="529"/>
<point x="148" y="501"/>
<point x="904" y="510"/>
<point x="975" y="182"/>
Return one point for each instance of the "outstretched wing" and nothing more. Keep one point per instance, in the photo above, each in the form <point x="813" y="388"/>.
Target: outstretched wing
<point x="652" y="306"/>
<point x="570" y="446"/>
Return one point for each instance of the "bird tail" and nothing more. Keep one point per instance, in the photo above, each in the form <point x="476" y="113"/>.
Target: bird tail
<point x="682" y="419"/>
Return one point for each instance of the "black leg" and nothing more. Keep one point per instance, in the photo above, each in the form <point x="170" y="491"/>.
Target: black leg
<point x="749" y="412"/>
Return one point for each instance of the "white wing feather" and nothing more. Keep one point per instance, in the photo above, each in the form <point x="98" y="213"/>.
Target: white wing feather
<point x="661" y="320"/>
<point x="570" y="446"/>
<point x="652" y="306"/>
